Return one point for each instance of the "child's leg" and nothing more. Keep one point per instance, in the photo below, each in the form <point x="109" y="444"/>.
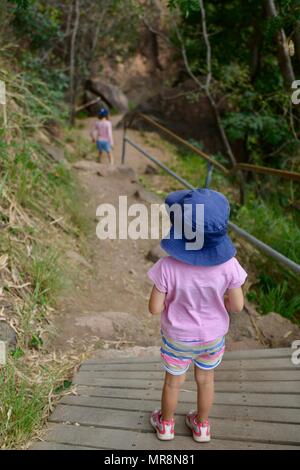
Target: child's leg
<point x="205" y="392"/>
<point x="100" y="156"/>
<point x="110" y="157"/>
<point x="170" y="395"/>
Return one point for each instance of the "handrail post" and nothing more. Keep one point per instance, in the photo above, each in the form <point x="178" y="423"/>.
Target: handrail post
<point x="123" y="147"/>
<point x="209" y="175"/>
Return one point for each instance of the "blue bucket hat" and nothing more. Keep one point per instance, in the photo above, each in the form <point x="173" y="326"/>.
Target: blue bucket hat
<point x="217" y="247"/>
<point x="103" y="112"/>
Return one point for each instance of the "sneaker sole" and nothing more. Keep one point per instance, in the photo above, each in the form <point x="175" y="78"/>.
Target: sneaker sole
<point x="196" y="438"/>
<point x="162" y="437"/>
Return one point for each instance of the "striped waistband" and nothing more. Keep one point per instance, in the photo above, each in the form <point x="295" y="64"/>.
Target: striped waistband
<point x="193" y="347"/>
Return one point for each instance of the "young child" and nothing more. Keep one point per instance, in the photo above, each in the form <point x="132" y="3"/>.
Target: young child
<point x="101" y="134"/>
<point x="193" y="291"/>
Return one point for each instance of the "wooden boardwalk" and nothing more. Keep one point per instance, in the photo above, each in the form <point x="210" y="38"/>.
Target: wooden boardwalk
<point x="257" y="405"/>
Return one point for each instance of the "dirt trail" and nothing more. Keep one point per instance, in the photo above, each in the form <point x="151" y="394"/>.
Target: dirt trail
<point x="109" y="306"/>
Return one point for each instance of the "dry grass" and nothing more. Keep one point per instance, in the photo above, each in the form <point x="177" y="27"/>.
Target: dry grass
<point x="40" y="219"/>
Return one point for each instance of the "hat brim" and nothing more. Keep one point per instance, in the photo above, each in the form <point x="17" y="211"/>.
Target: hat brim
<point x="207" y="256"/>
<point x="176" y="196"/>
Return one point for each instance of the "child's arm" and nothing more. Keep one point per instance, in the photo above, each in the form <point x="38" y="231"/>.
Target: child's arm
<point x="156" y="301"/>
<point x="93" y="132"/>
<point x="234" y="300"/>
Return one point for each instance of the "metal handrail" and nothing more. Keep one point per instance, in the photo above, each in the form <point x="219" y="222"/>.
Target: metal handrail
<point x="179" y="139"/>
<point x="269" y="251"/>
<point x="291" y="175"/>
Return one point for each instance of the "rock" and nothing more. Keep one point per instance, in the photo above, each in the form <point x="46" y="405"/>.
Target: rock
<point x="54" y="128"/>
<point x="150" y="170"/>
<point x="242" y="345"/>
<point x="147" y="196"/>
<point x="74" y="256"/>
<point x="126" y="170"/>
<point x="42" y="137"/>
<point x="105" y="170"/>
<point x="101" y="169"/>
<point x="95" y="101"/>
<point x="172" y="106"/>
<point x="155" y="254"/>
<point x="88" y="165"/>
<point x="97" y="324"/>
<point x="8" y="334"/>
<point x="111" y="94"/>
<point x="118" y="170"/>
<point x="56" y="153"/>
<point x="106" y="323"/>
<point x="278" y="331"/>
<point x="132" y="271"/>
<point x="241" y="327"/>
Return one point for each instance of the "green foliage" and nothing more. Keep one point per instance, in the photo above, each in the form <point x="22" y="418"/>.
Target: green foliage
<point x="39" y="24"/>
<point x="257" y="110"/>
<point x="273" y="225"/>
<point x="21" y="4"/>
<point x="277" y="297"/>
<point x="21" y="408"/>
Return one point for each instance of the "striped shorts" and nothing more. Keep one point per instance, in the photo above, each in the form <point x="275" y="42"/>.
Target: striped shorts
<point x="178" y="355"/>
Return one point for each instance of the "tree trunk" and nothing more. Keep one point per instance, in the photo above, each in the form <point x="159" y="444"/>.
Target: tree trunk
<point x="284" y="60"/>
<point x="296" y="38"/>
<point x="255" y="58"/>
<point x="73" y="62"/>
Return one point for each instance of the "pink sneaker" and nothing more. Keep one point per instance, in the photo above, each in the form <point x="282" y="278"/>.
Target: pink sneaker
<point x="164" y="429"/>
<point x="201" y="431"/>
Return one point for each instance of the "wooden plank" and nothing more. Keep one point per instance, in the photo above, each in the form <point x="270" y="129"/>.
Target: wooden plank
<point x="259" y="364"/>
<point x="276" y="415"/>
<point x="57" y="446"/>
<point x="220" y="375"/>
<point x="139" y="421"/>
<point x="252" y="353"/>
<point x="258" y="353"/>
<point x="154" y="358"/>
<point x="247" y="364"/>
<point x="249" y="399"/>
<point x="148" y="441"/>
<point x="95" y="378"/>
<point x="120" y="439"/>
<point x="102" y="438"/>
<point x="121" y="419"/>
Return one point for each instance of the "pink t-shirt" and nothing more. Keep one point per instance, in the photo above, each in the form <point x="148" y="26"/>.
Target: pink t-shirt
<point x="194" y="305"/>
<point x="102" y="130"/>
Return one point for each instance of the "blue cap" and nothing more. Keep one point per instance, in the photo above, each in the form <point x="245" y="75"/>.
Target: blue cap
<point x="103" y="112"/>
<point x="217" y="247"/>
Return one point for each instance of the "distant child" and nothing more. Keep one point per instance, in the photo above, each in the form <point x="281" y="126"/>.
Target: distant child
<point x="101" y="134"/>
<point x="193" y="291"/>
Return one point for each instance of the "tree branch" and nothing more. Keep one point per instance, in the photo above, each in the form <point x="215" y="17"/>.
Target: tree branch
<point x="206" y="87"/>
<point x="72" y="61"/>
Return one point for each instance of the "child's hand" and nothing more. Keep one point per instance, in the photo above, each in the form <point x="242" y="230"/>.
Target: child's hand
<point x="157" y="301"/>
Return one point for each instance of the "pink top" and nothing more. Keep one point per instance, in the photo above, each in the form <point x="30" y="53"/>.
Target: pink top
<point x="102" y="130"/>
<point x="194" y="305"/>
